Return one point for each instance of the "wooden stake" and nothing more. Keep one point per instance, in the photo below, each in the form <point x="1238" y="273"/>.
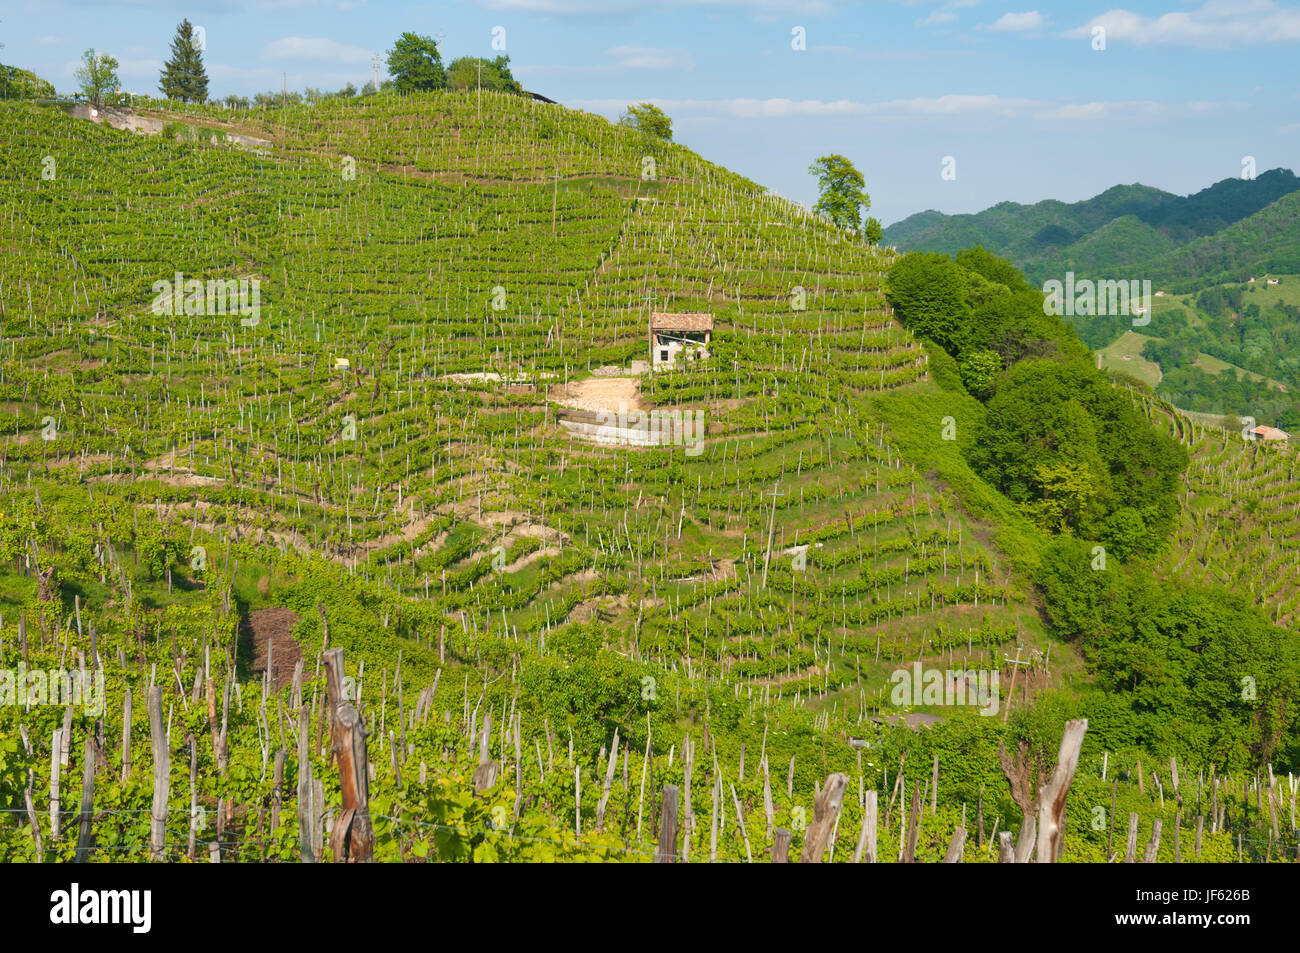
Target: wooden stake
<point x="1051" y="800"/>
<point x="955" y="846"/>
<point x="87" y="801"/>
<point x="866" y="849"/>
<point x="1153" y="845"/>
<point x="352" y="839"/>
<point x="666" y="850"/>
<point x="826" y="810"/>
<point x="161" y="775"/>
<point x="781" y="847"/>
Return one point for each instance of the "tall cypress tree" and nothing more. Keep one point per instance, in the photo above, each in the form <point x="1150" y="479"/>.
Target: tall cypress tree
<point x="183" y="76"/>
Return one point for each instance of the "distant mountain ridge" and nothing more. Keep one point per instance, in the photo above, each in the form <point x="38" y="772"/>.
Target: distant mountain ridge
<point x="1186" y="241"/>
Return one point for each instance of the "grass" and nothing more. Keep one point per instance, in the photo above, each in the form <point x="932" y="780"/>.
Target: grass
<point x="1124" y="355"/>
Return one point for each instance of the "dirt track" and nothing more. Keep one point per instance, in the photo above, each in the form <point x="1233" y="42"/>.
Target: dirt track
<point x="617" y="394"/>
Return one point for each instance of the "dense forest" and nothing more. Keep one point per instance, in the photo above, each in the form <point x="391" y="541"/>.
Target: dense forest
<point x="1083" y="462"/>
<point x="1227" y="231"/>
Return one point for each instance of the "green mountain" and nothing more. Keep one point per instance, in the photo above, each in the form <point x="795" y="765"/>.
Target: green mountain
<point x="1266" y="242"/>
<point x="1129" y="229"/>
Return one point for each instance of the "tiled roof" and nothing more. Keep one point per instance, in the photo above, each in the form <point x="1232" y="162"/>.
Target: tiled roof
<point x="690" y="321"/>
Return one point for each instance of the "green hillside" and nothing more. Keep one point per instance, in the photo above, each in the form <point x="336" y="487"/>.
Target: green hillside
<point x="1225" y="230"/>
<point x="380" y="451"/>
<point x="1267" y="242"/>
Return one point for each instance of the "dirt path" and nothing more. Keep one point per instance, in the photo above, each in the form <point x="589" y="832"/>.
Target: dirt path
<point x="617" y="394"/>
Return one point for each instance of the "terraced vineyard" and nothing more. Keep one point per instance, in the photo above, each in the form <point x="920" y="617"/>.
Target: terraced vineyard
<point x="1238" y="529"/>
<point x="378" y="450"/>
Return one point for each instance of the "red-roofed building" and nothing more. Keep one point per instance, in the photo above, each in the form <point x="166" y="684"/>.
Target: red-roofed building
<point x="1269" y="433"/>
<point x="672" y="335"/>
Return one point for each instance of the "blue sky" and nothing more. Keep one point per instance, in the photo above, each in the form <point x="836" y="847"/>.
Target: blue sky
<point x="1014" y="92"/>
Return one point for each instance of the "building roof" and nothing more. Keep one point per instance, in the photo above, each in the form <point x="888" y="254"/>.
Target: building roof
<point x="687" y="321"/>
<point x="1270" y="433"/>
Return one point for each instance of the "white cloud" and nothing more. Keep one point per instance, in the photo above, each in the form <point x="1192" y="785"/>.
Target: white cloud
<point x="343" y="5"/>
<point x="139" y="69"/>
<point x="944" y="13"/>
<point x="1017" y="22"/>
<point x="649" y="57"/>
<point x="49" y="41"/>
<point x="318" y="49"/>
<point x="813" y="7"/>
<point x="219" y="72"/>
<point x="945" y="108"/>
<point x="1216" y="23"/>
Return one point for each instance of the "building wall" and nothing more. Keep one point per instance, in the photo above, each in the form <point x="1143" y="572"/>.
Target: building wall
<point x="698" y="349"/>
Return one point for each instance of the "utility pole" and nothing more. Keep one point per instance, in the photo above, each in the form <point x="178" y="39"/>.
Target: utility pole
<point x="1017" y="662"/>
<point x="771" y="525"/>
<point x="376" y="72"/>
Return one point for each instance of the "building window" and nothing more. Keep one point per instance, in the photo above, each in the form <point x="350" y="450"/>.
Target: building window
<point x="663" y="355"/>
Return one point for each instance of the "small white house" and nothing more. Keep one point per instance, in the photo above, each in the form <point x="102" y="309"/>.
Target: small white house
<point x="341" y="363"/>
<point x="686" y="335"/>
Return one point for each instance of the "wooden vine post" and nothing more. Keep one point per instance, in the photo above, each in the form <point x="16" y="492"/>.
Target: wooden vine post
<point x="1051" y="798"/>
<point x="85" y="839"/>
<point x="666" y="849"/>
<point x="352" y="839"/>
<point x="162" y="765"/>
<point x="826" y="809"/>
<point x="781" y="846"/>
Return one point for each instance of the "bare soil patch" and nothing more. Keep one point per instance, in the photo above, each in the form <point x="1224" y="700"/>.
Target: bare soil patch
<point x="272" y="628"/>
<point x="617" y="394"/>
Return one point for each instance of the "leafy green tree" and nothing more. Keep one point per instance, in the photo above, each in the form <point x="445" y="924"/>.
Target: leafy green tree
<point x="995" y="269"/>
<point x="872" y="231"/>
<point x="1066" y="492"/>
<point x="978" y="369"/>
<point x="1207" y="673"/>
<point x="842" y="199"/>
<point x="1085" y="601"/>
<point x="97" y="76"/>
<point x="416" y="64"/>
<point x="927" y="291"/>
<point x="650" y="119"/>
<point x="472" y="72"/>
<point x="183" y="76"/>
<point x="1289" y="419"/>
<point x="1058" y="439"/>
<point x="18" y="83"/>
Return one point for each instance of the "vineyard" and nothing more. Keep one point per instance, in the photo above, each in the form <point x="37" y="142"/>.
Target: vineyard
<point x="1239" y="517"/>
<point x="345" y="519"/>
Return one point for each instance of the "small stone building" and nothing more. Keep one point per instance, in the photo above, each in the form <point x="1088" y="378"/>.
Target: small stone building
<point x="685" y="335"/>
<point x="1269" y="433"/>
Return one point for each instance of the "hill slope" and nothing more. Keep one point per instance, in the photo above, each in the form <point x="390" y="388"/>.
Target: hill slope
<point x="1129" y="229"/>
<point x="375" y="459"/>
